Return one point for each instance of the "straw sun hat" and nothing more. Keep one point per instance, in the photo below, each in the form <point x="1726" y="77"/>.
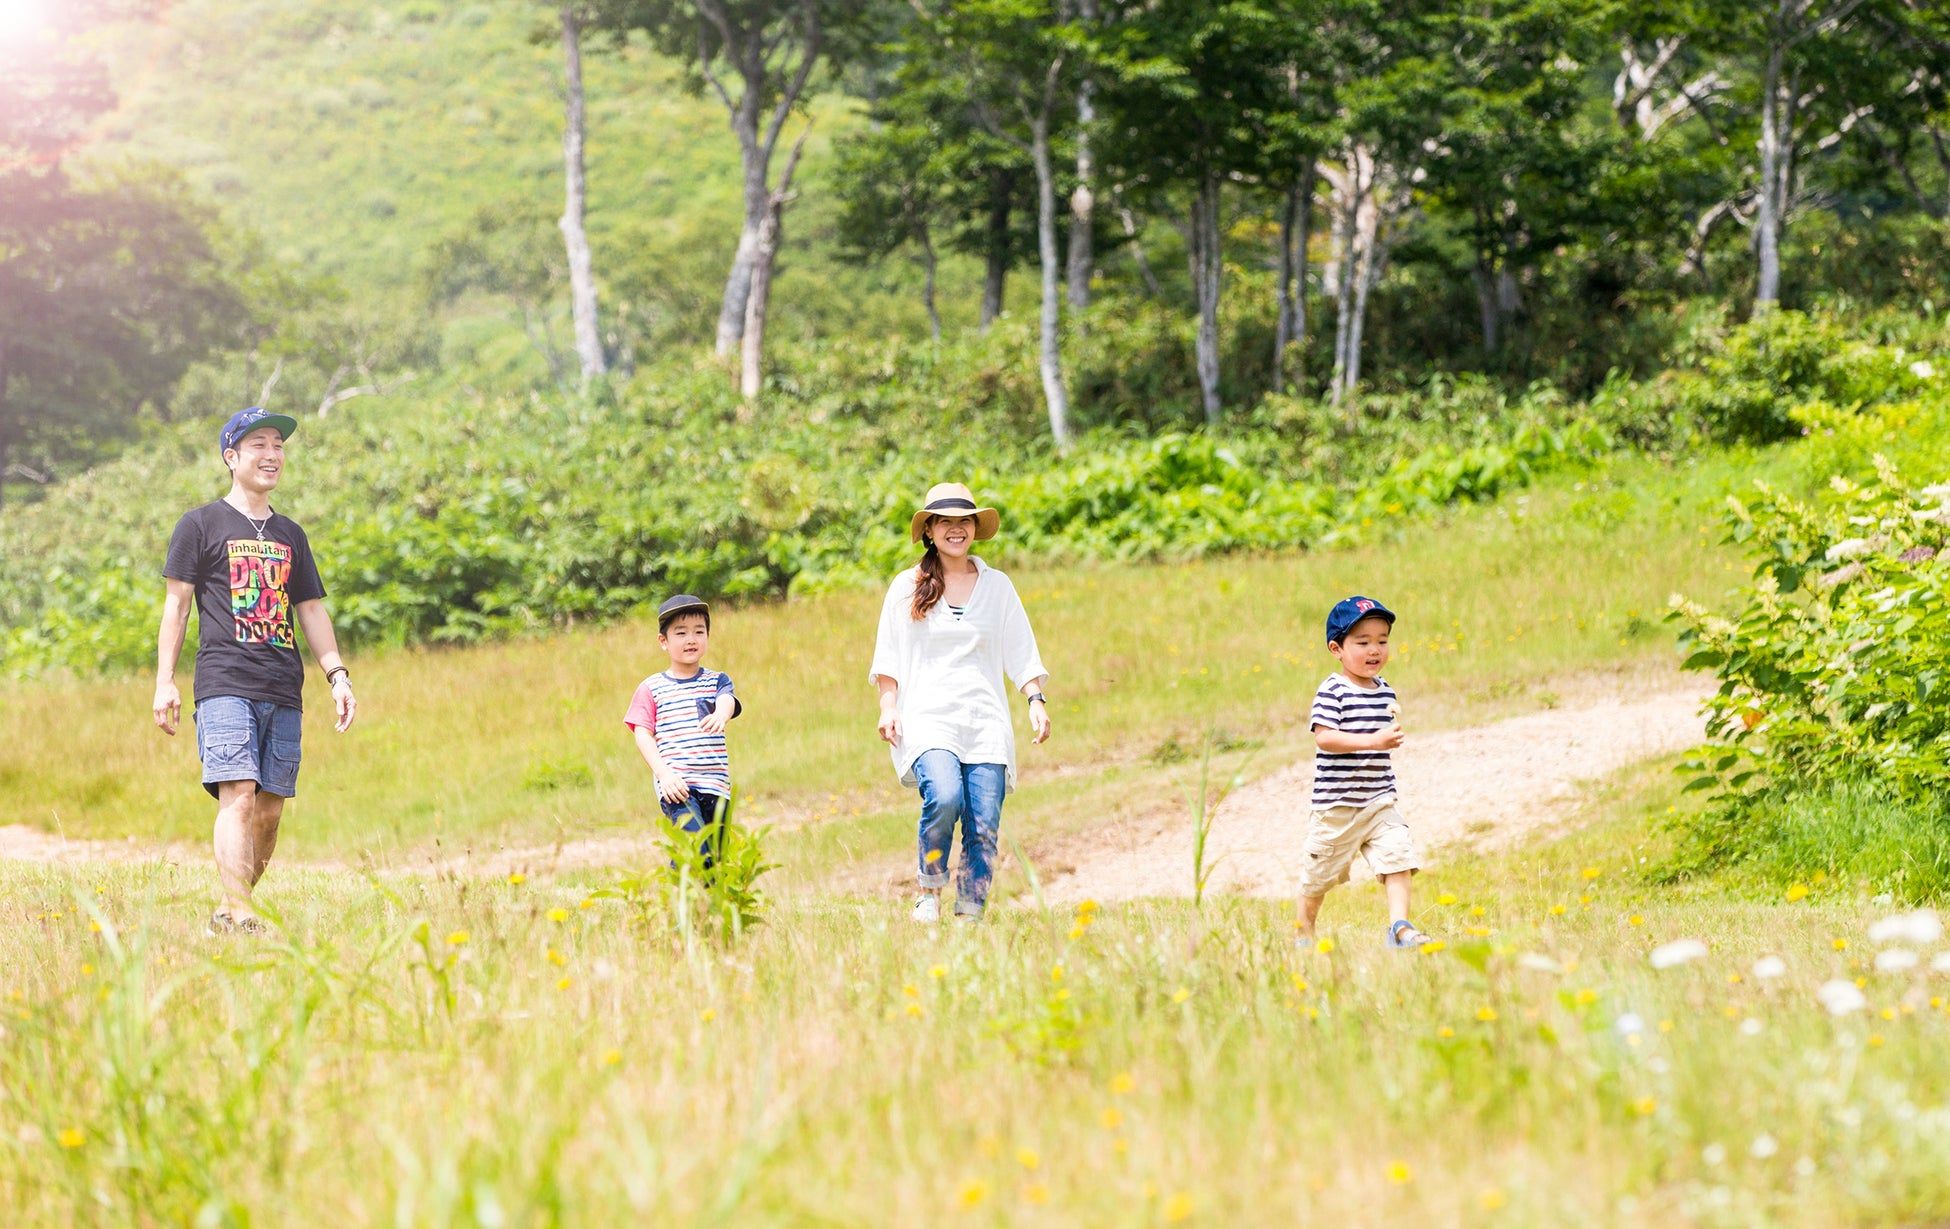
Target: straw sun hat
<point x="954" y="499"/>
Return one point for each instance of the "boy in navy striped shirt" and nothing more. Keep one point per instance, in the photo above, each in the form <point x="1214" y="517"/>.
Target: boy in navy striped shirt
<point x="679" y="716"/>
<point x="1356" y="723"/>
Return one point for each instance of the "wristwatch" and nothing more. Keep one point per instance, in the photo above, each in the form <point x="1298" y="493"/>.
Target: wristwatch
<point x="1043" y="696"/>
<point x="341" y="672"/>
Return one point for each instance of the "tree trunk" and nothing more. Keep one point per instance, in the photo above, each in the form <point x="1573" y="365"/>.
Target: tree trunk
<point x="738" y="283"/>
<point x="1349" y="198"/>
<point x="1207" y="267"/>
<point x="1767" y="218"/>
<point x="1129" y="220"/>
<point x="751" y="353"/>
<point x="1486" y="308"/>
<point x="582" y="277"/>
<point x="1057" y="399"/>
<point x="927" y="283"/>
<point x="1290" y="327"/>
<point x="1083" y="201"/>
<point x="1002" y="190"/>
<point x="765" y="254"/>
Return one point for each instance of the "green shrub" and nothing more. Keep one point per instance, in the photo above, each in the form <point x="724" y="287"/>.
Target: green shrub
<point x="1852" y="832"/>
<point x="1837" y="669"/>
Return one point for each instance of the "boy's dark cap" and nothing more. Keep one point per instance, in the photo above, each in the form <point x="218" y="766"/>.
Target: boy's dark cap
<point x="682" y="604"/>
<point x="1351" y="610"/>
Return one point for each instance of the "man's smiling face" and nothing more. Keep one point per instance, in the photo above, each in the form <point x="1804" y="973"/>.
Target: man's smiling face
<point x="258" y="459"/>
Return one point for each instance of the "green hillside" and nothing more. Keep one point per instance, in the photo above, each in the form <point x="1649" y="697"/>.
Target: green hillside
<point x="354" y="135"/>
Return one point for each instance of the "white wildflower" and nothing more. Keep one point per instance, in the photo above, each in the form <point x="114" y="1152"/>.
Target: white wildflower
<point x="1750" y="1027"/>
<point x="1538" y="962"/>
<point x="1840" y="576"/>
<point x="1896" y="960"/>
<point x="1941" y="491"/>
<point x="1769" y="967"/>
<point x="1677" y="952"/>
<point x="1714" y="1154"/>
<point x="1940" y="963"/>
<point x="1923" y="369"/>
<point x="1631" y="1024"/>
<point x="1841" y="996"/>
<point x="1921" y="927"/>
<point x="1848" y="548"/>
<point x="1763" y="1147"/>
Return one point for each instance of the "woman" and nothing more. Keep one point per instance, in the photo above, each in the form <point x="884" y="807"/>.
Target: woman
<point x="951" y="627"/>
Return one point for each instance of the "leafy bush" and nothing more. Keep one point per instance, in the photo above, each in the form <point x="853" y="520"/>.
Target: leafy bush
<point x="1838" y="667"/>
<point x="476" y="517"/>
<point x="1748" y="383"/>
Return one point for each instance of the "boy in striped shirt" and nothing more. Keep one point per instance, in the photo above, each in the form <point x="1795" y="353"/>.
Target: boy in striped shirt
<point x="679" y="716"/>
<point x="1356" y="724"/>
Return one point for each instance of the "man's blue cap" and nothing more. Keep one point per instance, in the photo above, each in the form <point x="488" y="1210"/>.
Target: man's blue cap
<point x="1351" y="610"/>
<point x="243" y="422"/>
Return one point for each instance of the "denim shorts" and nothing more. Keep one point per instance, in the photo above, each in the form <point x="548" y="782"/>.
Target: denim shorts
<point x="249" y="740"/>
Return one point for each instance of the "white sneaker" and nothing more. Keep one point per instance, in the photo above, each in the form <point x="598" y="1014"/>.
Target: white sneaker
<point x="928" y="908"/>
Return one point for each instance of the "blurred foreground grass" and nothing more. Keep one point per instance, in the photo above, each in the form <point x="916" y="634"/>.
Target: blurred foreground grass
<point x="421" y="1051"/>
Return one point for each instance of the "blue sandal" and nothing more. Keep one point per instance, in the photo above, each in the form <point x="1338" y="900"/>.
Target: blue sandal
<point x="1415" y="937"/>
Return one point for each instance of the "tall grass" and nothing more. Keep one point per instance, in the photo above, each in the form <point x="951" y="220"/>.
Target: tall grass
<point x="1503" y="608"/>
<point x="430" y="1052"/>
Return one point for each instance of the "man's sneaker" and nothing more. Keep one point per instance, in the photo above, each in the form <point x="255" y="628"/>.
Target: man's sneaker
<point x="928" y="908"/>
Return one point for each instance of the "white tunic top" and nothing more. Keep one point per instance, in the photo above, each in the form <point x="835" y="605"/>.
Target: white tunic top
<point x="949" y="671"/>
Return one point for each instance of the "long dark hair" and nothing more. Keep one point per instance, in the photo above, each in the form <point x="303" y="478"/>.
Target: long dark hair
<point x="930" y="580"/>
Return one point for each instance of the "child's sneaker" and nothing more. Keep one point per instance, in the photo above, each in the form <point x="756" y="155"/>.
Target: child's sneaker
<point x="928" y="908"/>
<point x="1400" y="941"/>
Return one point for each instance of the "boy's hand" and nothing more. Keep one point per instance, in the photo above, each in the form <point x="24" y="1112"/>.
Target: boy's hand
<point x="715" y="721"/>
<point x="890" y="725"/>
<point x="672" y="789"/>
<point x="1388" y="739"/>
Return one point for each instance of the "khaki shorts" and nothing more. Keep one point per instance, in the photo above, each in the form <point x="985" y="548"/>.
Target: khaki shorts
<point x="1375" y="830"/>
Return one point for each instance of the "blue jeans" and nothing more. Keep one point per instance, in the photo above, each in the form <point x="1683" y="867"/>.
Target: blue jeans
<point x="970" y="794"/>
<point x="699" y="813"/>
<point x="249" y="740"/>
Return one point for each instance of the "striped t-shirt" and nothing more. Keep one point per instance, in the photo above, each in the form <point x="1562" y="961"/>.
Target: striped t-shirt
<point x="671" y="708"/>
<point x="1356" y="778"/>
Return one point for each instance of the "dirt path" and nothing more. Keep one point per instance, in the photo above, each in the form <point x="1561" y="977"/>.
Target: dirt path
<point x="1484" y="786"/>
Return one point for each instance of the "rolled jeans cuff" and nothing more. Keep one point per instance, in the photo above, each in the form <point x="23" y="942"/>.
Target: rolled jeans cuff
<point x="968" y="908"/>
<point x="934" y="880"/>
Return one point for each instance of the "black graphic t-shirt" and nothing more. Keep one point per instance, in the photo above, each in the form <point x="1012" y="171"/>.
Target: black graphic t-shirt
<point x="246" y="587"/>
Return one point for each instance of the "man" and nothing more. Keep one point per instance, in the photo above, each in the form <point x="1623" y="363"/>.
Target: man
<point x="249" y="572"/>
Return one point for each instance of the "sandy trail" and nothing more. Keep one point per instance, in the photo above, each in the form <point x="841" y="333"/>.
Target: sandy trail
<point x="1485" y="786"/>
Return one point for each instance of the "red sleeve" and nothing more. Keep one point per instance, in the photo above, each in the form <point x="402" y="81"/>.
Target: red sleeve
<point x="643" y="709"/>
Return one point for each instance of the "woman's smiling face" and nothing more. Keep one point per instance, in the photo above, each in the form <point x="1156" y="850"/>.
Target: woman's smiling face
<point x="952" y="535"/>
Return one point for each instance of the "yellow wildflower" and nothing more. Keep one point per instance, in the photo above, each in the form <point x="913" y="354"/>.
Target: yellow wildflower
<point x="458" y="938"/>
<point x="558" y="915"/>
<point x="1486" y="1014"/>
<point x="563" y="984"/>
<point x="1665" y="1026"/>
<point x="1035" y="1192"/>
<point x="1557" y="910"/>
<point x="1797" y="891"/>
<point x="916" y="1010"/>
<point x="1875" y="1039"/>
<point x="1445" y="1032"/>
<point x="911" y="990"/>
<point x="1180" y="995"/>
<point x="1492" y="1199"/>
<point x="517" y="879"/>
<point x="557" y="958"/>
<point x="1399" y="1175"/>
<point x="1841" y="945"/>
<point x="972" y="1193"/>
<point x="938" y="972"/>
<point x="1027" y="1158"/>
<point x="1591" y="872"/>
<point x="1476" y="911"/>
<point x="612" y="1057"/>
<point x="71" y="1138"/>
<point x="1433" y="946"/>
<point x="1178" y="1207"/>
<point x="1324" y="946"/>
<point x="1111" y="1118"/>
<point x="1644" y="1106"/>
<point x="1636" y="919"/>
<point x="1587" y="996"/>
<point x="1447" y="898"/>
<point x="1122" y="1083"/>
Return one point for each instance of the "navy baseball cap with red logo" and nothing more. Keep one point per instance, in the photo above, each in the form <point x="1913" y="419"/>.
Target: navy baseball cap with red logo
<point x="1351" y="610"/>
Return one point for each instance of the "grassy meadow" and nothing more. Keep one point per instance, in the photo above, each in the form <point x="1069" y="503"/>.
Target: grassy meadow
<point x="547" y="1057"/>
<point x="1505" y="608"/>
